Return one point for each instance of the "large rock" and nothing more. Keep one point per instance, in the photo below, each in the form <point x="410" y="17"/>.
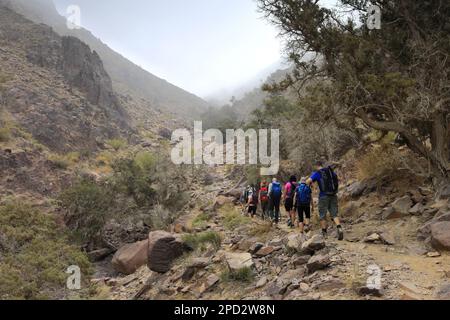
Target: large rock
<point x="418" y="209"/>
<point x="294" y="242"/>
<point x="163" y="249"/>
<point x="355" y="190"/>
<point x="440" y="236"/>
<point x="402" y="205"/>
<point x="444" y="192"/>
<point x="239" y="261"/>
<point x="316" y="243"/>
<point x="318" y="262"/>
<point x="425" y="231"/>
<point x="130" y="257"/>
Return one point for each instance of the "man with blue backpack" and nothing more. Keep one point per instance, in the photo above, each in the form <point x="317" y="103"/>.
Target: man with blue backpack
<point x="328" y="183"/>
<point x="304" y="205"/>
<point x="275" y="193"/>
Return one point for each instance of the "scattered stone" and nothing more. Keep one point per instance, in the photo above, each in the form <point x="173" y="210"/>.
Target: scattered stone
<point x="255" y="247"/>
<point x="239" y="261"/>
<point x="440" y="235"/>
<point x="409" y="287"/>
<point x="402" y="205"/>
<point x="294" y="242"/>
<point x="209" y="283"/>
<point x="130" y="257"/>
<point x="304" y="287"/>
<point x="261" y="282"/>
<point x="418" y="209"/>
<point x="356" y="189"/>
<point x="374" y="237"/>
<point x="276" y="242"/>
<point x="300" y="261"/>
<point x="316" y="243"/>
<point x="163" y="249"/>
<point x="433" y="254"/>
<point x="263" y="252"/>
<point x="444" y="292"/>
<point x="369" y="291"/>
<point x="329" y="285"/>
<point x="387" y="238"/>
<point x="444" y="192"/>
<point x="318" y="262"/>
<point x="389" y="213"/>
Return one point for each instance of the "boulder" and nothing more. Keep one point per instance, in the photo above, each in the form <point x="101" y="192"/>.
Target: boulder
<point x="387" y="238"/>
<point x="130" y="257"/>
<point x="402" y="205"/>
<point x="210" y="282"/>
<point x="316" y="243"/>
<point x="294" y="242"/>
<point x="389" y="213"/>
<point x="440" y="236"/>
<point x="418" y="209"/>
<point x="318" y="262"/>
<point x="163" y="249"/>
<point x="238" y="261"/>
<point x="300" y="261"/>
<point x="373" y="237"/>
<point x="425" y="231"/>
<point x="222" y="200"/>
<point x="254" y="248"/>
<point x="265" y="251"/>
<point x="100" y="254"/>
<point x="355" y="190"/>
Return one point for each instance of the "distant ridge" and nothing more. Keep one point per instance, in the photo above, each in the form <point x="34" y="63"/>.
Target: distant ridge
<point x="127" y="77"/>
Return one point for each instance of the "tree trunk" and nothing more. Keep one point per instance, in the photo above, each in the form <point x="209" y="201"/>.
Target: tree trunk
<point x="439" y="164"/>
<point x="440" y="140"/>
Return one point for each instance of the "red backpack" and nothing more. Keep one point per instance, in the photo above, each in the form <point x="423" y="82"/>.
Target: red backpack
<point x="264" y="194"/>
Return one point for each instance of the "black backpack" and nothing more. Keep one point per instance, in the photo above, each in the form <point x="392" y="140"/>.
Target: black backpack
<point x="329" y="182"/>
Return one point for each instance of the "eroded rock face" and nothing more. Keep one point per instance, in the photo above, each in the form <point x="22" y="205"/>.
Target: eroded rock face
<point x="163" y="249"/>
<point x="402" y="205"/>
<point x="318" y="262"/>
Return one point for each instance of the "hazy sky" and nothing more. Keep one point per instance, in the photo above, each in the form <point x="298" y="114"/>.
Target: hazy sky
<point x="200" y="45"/>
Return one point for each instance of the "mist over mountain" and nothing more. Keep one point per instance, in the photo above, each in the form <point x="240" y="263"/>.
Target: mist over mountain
<point x="127" y="77"/>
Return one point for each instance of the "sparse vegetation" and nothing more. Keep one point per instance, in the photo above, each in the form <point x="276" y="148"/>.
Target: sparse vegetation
<point x="200" y="220"/>
<point x="233" y="218"/>
<point x="198" y="241"/>
<point x="35" y="253"/>
<point x="5" y="134"/>
<point x="245" y="275"/>
<point x="64" y="161"/>
<point x="117" y="144"/>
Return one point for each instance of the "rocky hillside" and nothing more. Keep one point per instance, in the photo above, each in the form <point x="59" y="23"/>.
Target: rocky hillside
<point x="56" y="87"/>
<point x="128" y="79"/>
<point x="217" y="253"/>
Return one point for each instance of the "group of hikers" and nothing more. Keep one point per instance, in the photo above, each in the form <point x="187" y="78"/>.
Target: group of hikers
<point x="297" y="199"/>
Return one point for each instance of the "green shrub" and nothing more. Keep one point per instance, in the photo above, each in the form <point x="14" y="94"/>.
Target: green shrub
<point x="243" y="275"/>
<point x="381" y="160"/>
<point x="234" y="219"/>
<point x="200" y="220"/>
<point x="35" y="254"/>
<point x="88" y="206"/>
<point x="146" y="161"/>
<point x="5" y="134"/>
<point x="200" y="240"/>
<point x="117" y="144"/>
<point x="64" y="161"/>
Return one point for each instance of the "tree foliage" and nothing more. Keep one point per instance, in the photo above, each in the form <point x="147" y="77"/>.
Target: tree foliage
<point x="393" y="80"/>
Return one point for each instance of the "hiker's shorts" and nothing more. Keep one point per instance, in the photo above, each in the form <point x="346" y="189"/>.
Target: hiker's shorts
<point x="289" y="204"/>
<point x="328" y="204"/>
<point x="304" y="211"/>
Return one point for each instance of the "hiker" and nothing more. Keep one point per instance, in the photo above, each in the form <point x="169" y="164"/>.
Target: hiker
<point x="328" y="201"/>
<point x="252" y="201"/>
<point x="288" y="197"/>
<point x="304" y="205"/>
<point x="264" y="200"/>
<point x="275" y="192"/>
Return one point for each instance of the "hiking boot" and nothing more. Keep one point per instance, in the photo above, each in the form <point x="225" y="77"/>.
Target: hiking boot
<point x="307" y="228"/>
<point x="324" y="234"/>
<point x="340" y="234"/>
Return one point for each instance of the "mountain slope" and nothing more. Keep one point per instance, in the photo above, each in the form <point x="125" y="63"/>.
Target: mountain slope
<point x="56" y="88"/>
<point x="128" y="78"/>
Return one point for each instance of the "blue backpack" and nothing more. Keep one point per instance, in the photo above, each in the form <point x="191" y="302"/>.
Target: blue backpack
<point x="304" y="194"/>
<point x="276" y="190"/>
